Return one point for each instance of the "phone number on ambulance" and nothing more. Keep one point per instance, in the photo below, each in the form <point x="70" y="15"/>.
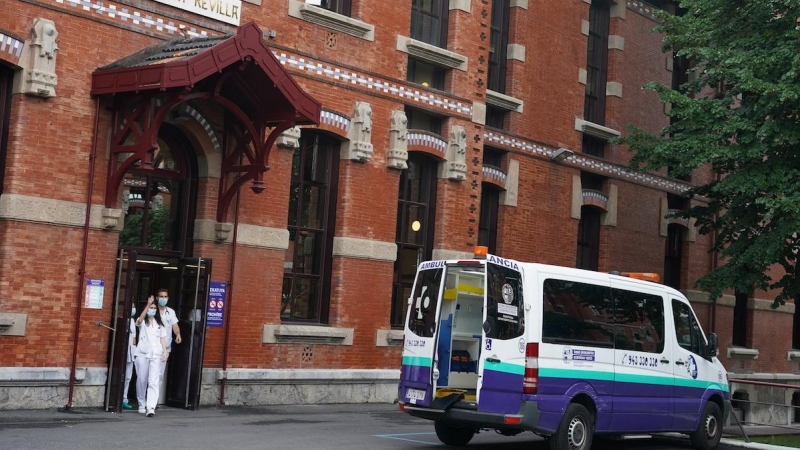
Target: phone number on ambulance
<point x="634" y="360"/>
<point x="415" y="343"/>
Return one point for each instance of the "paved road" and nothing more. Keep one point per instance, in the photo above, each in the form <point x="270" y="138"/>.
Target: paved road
<point x="351" y="427"/>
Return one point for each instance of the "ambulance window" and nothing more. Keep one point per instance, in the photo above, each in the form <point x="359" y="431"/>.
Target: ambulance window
<point x="504" y="304"/>
<point x="639" y="320"/>
<point x="577" y="313"/>
<point x="687" y="330"/>
<point x="422" y="312"/>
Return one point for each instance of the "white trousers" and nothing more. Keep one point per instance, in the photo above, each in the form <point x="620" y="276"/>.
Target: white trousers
<point x="148" y="381"/>
<point x="128" y="375"/>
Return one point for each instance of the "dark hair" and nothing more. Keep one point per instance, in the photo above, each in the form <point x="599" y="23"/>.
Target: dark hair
<point x="162" y="290"/>
<point x="157" y="317"/>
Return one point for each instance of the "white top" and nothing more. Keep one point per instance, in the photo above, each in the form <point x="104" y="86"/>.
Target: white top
<point x="150" y="339"/>
<point x="169" y="318"/>
<point x="131" y="338"/>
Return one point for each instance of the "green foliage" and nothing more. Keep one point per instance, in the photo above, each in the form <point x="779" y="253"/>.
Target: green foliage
<point x="157" y="223"/>
<point x="739" y="115"/>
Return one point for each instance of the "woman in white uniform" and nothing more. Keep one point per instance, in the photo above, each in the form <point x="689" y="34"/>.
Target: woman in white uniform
<point x="129" y="361"/>
<point x="150" y="351"/>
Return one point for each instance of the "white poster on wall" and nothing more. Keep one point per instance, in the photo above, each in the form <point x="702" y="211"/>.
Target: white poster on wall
<point x="228" y="11"/>
<point x="94" y="294"/>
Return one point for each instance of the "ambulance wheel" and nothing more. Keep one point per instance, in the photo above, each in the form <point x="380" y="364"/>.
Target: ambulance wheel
<point x="452" y="434"/>
<point x="575" y="431"/>
<point x="709" y="430"/>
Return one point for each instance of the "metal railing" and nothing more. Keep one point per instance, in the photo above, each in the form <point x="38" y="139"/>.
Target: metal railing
<point x="747" y="405"/>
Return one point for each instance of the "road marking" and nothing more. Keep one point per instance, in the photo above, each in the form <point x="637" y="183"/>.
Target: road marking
<point x="400" y="437"/>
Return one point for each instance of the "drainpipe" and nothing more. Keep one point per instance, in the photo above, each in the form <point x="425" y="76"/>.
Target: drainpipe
<point x="230" y="297"/>
<point x="84" y="251"/>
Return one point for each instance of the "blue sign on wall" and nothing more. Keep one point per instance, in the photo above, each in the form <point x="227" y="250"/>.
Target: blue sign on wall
<point x="216" y="303"/>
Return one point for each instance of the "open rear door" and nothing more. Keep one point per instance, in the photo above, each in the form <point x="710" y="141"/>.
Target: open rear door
<point x="417" y="380"/>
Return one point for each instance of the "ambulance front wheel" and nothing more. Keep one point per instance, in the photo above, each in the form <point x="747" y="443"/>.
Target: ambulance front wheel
<point x="575" y="431"/>
<point x="709" y="430"/>
<point x="452" y="434"/>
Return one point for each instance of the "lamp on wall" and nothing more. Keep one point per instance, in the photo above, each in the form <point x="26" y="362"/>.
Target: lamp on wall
<point x="561" y="154"/>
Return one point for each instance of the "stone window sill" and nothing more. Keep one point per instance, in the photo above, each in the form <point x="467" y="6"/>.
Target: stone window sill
<point x="389" y="338"/>
<point x="742" y="353"/>
<point x="332" y="20"/>
<point x="306" y="334"/>
<point x="595" y="130"/>
<point x="793" y="355"/>
<point x="503" y="101"/>
<point x="431" y="53"/>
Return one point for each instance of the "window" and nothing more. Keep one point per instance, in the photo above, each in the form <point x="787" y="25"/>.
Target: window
<point x="593" y="146"/>
<point x="504" y="305"/>
<point x="496" y="117"/>
<point x="672" y="256"/>
<point x="6" y="79"/>
<point x="429" y="21"/>
<point x="577" y="313"/>
<point x="487" y="224"/>
<point x="740" y="319"/>
<point x="312" y="209"/>
<point x="639" y="320"/>
<point x="498" y="45"/>
<point x="338" y="6"/>
<point x="588" y="256"/>
<point x="424" y="303"/>
<point x="597" y="62"/>
<point x="687" y="330"/>
<point x="416" y="210"/>
<point x="426" y="74"/>
<point x="421" y="120"/>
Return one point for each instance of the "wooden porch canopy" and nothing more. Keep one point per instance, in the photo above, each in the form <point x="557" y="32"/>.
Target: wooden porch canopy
<point x="236" y="72"/>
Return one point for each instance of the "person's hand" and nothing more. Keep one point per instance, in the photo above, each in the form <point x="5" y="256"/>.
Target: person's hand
<point x="164" y="356"/>
<point x="178" y="339"/>
<point x="150" y="301"/>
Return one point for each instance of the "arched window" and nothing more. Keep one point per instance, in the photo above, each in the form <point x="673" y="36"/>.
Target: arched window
<point x="312" y="211"/>
<point x="416" y="209"/>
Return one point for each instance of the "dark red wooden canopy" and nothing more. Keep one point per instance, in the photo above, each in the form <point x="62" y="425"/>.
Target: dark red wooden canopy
<point x="238" y="72"/>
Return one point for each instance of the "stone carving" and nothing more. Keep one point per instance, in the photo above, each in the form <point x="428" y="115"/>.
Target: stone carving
<point x="112" y="218"/>
<point x="222" y="231"/>
<point x="397" y="156"/>
<point x="289" y="139"/>
<point x="40" y="68"/>
<point x="455" y="166"/>
<point x="359" y="148"/>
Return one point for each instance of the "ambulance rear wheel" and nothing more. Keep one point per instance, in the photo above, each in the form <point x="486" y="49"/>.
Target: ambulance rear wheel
<point x="452" y="434"/>
<point x="575" y="431"/>
<point x="709" y="430"/>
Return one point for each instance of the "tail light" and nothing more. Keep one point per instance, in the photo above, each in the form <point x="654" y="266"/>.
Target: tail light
<point x="530" y="383"/>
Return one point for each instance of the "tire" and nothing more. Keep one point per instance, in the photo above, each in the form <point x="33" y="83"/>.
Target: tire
<point x="575" y="431"/>
<point x="452" y="434"/>
<point x="709" y="430"/>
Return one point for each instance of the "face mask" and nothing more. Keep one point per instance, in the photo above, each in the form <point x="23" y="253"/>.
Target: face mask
<point x="162" y="301"/>
<point x="133" y="311"/>
<point x="151" y="312"/>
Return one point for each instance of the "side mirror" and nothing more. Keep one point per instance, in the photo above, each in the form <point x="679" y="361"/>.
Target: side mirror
<point x="713" y="345"/>
<point x="487" y="327"/>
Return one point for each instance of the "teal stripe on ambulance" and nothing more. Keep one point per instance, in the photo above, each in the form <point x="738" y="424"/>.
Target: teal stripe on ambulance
<point x="514" y="369"/>
<point x="417" y="361"/>
<point x="628" y="378"/>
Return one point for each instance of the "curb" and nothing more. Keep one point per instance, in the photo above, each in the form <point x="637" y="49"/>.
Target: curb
<point x="756" y="445"/>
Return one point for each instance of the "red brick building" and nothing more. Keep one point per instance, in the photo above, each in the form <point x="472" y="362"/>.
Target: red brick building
<point x="295" y="159"/>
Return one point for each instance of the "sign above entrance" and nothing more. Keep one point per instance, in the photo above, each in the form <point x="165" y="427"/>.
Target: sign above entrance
<point x="228" y="11"/>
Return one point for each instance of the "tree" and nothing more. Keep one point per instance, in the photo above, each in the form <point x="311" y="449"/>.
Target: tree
<point x="739" y="115"/>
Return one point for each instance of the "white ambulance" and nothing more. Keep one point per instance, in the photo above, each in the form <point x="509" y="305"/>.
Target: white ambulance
<point x="493" y="343"/>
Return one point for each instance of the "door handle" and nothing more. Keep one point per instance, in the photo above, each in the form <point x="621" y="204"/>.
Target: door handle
<point x="664" y="361"/>
<point x="493" y="360"/>
<point x="679" y="362"/>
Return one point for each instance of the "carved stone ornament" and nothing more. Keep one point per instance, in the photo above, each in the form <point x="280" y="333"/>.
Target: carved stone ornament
<point x="359" y="148"/>
<point x="397" y="156"/>
<point x="222" y="231"/>
<point x="39" y="74"/>
<point x="455" y="167"/>
<point x="289" y="139"/>
<point x="112" y="218"/>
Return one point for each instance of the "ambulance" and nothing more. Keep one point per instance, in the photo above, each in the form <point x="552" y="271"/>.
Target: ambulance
<point x="497" y="344"/>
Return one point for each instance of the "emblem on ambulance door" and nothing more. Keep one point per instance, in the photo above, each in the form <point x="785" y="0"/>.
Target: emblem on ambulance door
<point x="508" y="294"/>
<point x="691" y="367"/>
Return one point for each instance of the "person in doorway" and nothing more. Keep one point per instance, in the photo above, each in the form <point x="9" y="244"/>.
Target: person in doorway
<point x="151" y="351"/>
<point x="170" y="320"/>
<point x="129" y="360"/>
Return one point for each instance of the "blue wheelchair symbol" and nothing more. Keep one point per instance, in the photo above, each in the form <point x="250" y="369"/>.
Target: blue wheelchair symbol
<point x="488" y="344"/>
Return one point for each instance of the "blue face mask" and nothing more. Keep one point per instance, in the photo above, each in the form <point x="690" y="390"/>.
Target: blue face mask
<point x="162" y="301"/>
<point x="133" y="311"/>
<point x="151" y="312"/>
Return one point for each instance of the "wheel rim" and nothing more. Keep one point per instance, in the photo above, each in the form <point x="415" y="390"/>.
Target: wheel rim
<point x="576" y="433"/>
<point x="711" y="426"/>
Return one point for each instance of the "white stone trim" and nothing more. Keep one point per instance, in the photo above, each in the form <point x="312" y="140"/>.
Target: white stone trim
<point x="760" y="304"/>
<point x="793" y="355"/>
<point x="51" y="376"/>
<point x="614" y="89"/>
<point x="510" y="195"/>
<point x="440" y="254"/>
<point x="593" y="129"/>
<point x="332" y="20"/>
<point x="249" y="235"/>
<point x="306" y="376"/>
<point x="13" y="324"/>
<point x="616" y="42"/>
<point x="431" y="53"/>
<point x="742" y="353"/>
<point x="463" y="5"/>
<point x="389" y="338"/>
<point x="515" y="52"/>
<point x="703" y="297"/>
<point x="519" y="4"/>
<point x="582" y="75"/>
<point x="49" y="211"/>
<point x="585" y="27"/>
<point x="306" y="334"/>
<point x="504" y="101"/>
<point x="351" y="247"/>
<point x="479" y="113"/>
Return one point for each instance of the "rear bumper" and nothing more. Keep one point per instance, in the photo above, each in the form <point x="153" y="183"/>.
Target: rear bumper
<point x="467" y="414"/>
